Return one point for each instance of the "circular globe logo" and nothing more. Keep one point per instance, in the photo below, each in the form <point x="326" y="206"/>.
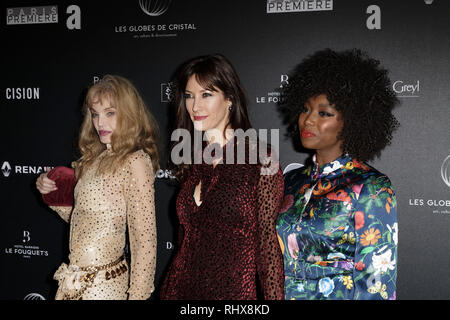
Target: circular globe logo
<point x="154" y="8"/>
<point x="445" y="171"/>
<point x="33" y="296"/>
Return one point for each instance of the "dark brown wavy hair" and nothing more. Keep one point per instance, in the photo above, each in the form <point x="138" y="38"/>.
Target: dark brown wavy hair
<point x="212" y="72"/>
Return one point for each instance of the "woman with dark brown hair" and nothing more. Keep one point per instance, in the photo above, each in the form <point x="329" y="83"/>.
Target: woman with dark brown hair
<point x="227" y="208"/>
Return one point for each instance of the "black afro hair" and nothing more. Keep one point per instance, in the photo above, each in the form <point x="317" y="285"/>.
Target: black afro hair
<point x="359" y="88"/>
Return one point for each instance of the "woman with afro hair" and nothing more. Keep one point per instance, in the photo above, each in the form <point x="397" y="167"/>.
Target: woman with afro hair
<point x="338" y="225"/>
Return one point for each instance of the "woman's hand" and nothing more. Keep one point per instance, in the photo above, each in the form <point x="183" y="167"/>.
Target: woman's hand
<point x="44" y="184"/>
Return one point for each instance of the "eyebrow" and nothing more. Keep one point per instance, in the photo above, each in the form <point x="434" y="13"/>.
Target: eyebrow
<point x="322" y="105"/>
<point x="204" y="90"/>
<point x="327" y="105"/>
<point x="92" y="109"/>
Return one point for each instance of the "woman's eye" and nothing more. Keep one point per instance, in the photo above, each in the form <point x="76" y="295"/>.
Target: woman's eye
<point x="325" y="114"/>
<point x="94" y="115"/>
<point x="110" y="114"/>
<point x="304" y="110"/>
<point x="206" y="94"/>
<point x="187" y="96"/>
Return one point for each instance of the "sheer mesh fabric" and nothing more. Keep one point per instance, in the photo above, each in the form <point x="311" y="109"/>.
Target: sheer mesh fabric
<point x="104" y="206"/>
<point x="229" y="242"/>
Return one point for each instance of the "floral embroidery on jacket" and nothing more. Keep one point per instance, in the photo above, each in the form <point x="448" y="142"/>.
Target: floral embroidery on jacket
<point x="338" y="232"/>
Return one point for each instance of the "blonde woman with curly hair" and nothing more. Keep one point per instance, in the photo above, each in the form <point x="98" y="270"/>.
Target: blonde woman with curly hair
<point x="110" y="189"/>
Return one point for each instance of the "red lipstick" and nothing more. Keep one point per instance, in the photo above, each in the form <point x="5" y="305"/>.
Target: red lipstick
<point x="306" y="134"/>
<point x="199" y="118"/>
<point x="104" y="132"/>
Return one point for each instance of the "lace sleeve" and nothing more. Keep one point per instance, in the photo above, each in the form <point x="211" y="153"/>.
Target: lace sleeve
<point x="64" y="212"/>
<point x="270" y="260"/>
<point x="139" y="193"/>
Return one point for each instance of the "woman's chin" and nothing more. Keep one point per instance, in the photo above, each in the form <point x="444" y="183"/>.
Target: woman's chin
<point x="105" y="140"/>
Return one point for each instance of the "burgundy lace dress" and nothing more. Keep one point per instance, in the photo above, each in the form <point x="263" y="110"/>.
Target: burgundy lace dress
<point x="229" y="242"/>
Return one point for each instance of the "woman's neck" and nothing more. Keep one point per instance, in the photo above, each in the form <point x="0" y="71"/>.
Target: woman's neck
<point x="217" y="136"/>
<point x="324" y="158"/>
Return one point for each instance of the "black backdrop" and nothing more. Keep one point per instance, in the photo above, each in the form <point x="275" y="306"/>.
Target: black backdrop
<point x="47" y="66"/>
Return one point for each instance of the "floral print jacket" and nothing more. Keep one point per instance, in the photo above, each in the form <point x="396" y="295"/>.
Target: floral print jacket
<point x="338" y="232"/>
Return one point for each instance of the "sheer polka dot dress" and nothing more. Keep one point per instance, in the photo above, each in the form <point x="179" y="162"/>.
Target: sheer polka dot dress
<point x="105" y="205"/>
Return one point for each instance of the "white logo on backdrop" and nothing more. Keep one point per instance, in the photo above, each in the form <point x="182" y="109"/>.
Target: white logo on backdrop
<point x="26" y="236"/>
<point x="6" y="169"/>
<point x="374" y="20"/>
<point x="22" y="93"/>
<point x="43" y="14"/>
<point x="164" y="174"/>
<point x="428" y="1"/>
<point x="282" y="6"/>
<point x="292" y="166"/>
<point x="166" y="92"/>
<point x="19" y="169"/>
<point x="74" y="20"/>
<point x="34" y="296"/>
<point x="406" y="90"/>
<point x="26" y="249"/>
<point x="445" y="171"/>
<point x="440" y="206"/>
<point x="31" y="15"/>
<point x="274" y="96"/>
<point x="154" y="8"/>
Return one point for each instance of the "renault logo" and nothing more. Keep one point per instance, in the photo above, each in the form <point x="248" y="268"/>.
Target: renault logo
<point x="6" y="169"/>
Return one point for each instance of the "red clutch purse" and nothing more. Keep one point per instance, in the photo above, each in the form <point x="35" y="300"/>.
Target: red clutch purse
<point x="65" y="182"/>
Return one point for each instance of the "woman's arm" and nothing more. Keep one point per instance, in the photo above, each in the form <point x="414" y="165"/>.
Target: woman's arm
<point x="269" y="258"/>
<point x="376" y="230"/>
<point x="139" y="194"/>
<point x="59" y="200"/>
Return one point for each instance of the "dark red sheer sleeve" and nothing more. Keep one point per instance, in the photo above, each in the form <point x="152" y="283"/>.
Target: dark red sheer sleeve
<point x="269" y="257"/>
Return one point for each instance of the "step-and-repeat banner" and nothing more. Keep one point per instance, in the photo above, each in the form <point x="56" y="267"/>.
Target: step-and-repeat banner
<point x="53" y="49"/>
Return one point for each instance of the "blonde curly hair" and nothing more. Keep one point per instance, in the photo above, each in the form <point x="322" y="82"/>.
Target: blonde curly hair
<point x="136" y="127"/>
